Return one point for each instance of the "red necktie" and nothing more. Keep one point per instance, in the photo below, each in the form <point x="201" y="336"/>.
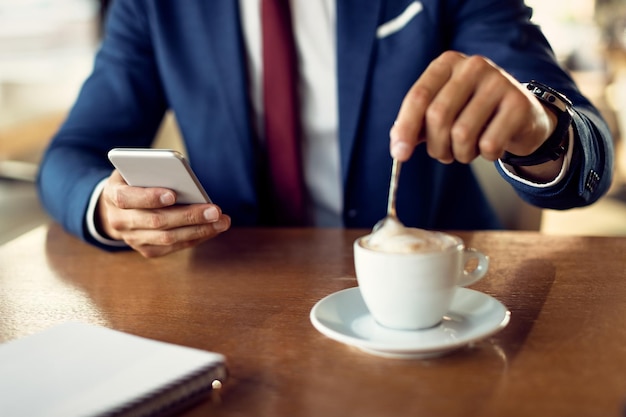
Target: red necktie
<point x="282" y="129"/>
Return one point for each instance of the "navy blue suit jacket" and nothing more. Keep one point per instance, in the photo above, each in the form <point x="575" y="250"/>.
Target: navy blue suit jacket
<point x="188" y="56"/>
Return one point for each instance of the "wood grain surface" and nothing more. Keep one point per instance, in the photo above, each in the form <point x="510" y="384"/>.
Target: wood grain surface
<point x="248" y="294"/>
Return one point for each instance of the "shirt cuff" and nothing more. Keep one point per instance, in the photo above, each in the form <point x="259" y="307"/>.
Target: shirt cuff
<point x="91" y="219"/>
<point x="509" y="170"/>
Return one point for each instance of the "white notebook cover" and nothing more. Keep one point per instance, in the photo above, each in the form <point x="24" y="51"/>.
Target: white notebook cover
<point x="75" y="369"/>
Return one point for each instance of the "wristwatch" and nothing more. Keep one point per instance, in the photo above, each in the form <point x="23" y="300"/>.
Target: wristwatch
<point x="555" y="145"/>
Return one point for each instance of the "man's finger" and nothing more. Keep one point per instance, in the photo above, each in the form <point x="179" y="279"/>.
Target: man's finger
<point x="405" y="133"/>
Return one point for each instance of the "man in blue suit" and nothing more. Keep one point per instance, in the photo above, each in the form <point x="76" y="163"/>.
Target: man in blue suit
<point x="447" y="73"/>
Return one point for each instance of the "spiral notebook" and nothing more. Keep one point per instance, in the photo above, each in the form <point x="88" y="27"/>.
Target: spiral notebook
<point x="76" y="369"/>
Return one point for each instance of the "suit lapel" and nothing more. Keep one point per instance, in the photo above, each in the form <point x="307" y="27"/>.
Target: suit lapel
<point x="225" y="45"/>
<point x="357" y="21"/>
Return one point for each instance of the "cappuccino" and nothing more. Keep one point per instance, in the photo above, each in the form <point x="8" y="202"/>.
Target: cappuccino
<point x="396" y="238"/>
<point x="408" y="276"/>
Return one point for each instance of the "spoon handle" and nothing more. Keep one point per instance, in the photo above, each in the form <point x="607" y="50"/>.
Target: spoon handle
<point x="393" y="188"/>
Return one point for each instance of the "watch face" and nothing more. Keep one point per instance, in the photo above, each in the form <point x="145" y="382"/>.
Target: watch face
<point x="552" y="148"/>
<point x="549" y="95"/>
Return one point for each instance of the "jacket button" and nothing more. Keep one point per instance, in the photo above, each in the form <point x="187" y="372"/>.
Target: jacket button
<point x="592" y="181"/>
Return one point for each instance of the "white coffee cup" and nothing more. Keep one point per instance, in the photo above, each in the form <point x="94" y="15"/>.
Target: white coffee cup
<point x="414" y="290"/>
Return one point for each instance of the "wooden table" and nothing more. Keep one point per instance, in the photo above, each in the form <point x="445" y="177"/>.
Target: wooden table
<point x="248" y="295"/>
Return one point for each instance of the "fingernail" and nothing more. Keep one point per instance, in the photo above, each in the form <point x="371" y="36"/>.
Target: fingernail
<point x="400" y="150"/>
<point x="211" y="214"/>
<point x="167" y="199"/>
<point x="220" y="225"/>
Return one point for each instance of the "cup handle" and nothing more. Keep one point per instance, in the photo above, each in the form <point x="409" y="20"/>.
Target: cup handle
<point x="470" y="277"/>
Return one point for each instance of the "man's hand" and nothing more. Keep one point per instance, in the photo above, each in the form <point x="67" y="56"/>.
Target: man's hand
<point x="466" y="106"/>
<point x="149" y="222"/>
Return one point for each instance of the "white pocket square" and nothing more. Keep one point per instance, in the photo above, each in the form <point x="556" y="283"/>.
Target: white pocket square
<point x="400" y="21"/>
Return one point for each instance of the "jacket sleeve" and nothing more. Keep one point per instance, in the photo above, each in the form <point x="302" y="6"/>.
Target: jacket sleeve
<point x="503" y="32"/>
<point x="590" y="170"/>
<point x="120" y="104"/>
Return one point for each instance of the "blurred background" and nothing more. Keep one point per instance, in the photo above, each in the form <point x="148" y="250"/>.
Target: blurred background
<point x="47" y="48"/>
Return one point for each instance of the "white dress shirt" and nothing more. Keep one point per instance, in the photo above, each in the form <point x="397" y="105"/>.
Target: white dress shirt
<point x="314" y="31"/>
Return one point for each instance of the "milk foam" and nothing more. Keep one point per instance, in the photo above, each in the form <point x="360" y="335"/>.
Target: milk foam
<point x="396" y="238"/>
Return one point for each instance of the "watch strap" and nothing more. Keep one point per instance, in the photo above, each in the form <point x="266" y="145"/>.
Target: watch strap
<point x="555" y="145"/>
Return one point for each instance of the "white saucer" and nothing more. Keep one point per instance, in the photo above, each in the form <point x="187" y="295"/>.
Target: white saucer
<point x="342" y="316"/>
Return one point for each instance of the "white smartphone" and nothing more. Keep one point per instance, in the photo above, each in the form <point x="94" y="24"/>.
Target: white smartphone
<point x="166" y="168"/>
